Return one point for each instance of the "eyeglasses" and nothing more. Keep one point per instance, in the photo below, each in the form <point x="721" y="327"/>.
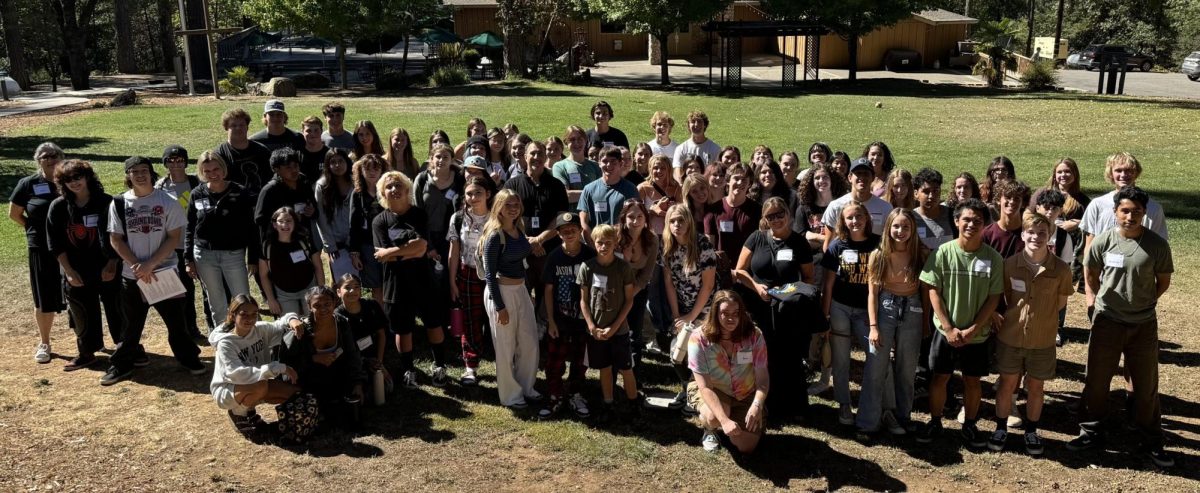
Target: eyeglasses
<point x="775" y="216"/>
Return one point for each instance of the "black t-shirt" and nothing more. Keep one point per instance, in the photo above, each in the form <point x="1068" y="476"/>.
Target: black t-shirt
<point x="777" y="262"/>
<point x="401" y="276"/>
<point x="81" y="233"/>
<point x="276" y="194"/>
<point x="34" y="193"/>
<point x="289" y="138"/>
<point x="635" y="178"/>
<point x="311" y="163"/>
<point x="613" y="137"/>
<point x="806" y="219"/>
<point x="290" y="264"/>
<point x="562" y="271"/>
<point x="848" y="261"/>
<point x="249" y="167"/>
<point x="542" y="199"/>
<point x="366" y="323"/>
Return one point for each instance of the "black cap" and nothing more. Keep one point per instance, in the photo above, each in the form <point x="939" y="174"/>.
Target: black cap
<point x="565" y="219"/>
<point x="477" y="140"/>
<point x="861" y="163"/>
<point x="174" y="150"/>
<point x="136" y="160"/>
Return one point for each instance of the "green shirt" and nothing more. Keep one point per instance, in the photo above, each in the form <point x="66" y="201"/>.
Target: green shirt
<point x="576" y="175"/>
<point x="607" y="284"/>
<point x="964" y="281"/>
<point x="1129" y="291"/>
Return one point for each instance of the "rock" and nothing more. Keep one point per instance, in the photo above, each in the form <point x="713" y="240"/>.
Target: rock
<point x="124" y="98"/>
<point x="10" y="85"/>
<point x="879" y="104"/>
<point x="311" y="80"/>
<point x="280" y="87"/>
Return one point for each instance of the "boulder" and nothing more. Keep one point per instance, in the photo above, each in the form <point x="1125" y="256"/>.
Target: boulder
<point x="280" y="87"/>
<point x="10" y="85"/>
<point x="311" y="80"/>
<point x="124" y="98"/>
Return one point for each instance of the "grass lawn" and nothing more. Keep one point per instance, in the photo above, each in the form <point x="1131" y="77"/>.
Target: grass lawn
<point x="161" y="431"/>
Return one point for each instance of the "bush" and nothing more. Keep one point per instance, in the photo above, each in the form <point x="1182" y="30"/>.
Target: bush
<point x="471" y="57"/>
<point x="235" y="80"/>
<point x="450" y="75"/>
<point x="1040" y="76"/>
<point x="311" y="80"/>
<point x="390" y="80"/>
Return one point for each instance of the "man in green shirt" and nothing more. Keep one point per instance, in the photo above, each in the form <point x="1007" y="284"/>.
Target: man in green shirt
<point x="965" y="279"/>
<point x="1127" y="269"/>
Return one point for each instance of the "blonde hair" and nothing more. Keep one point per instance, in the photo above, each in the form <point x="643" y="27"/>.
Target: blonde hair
<point x="495" y="224"/>
<point x="692" y="181"/>
<point x="389" y="178"/>
<point x="404" y="162"/>
<point x="604" y="232"/>
<point x="908" y="201"/>
<point x="210" y="157"/>
<point x="1034" y="219"/>
<point x="661" y="116"/>
<point x="880" y="261"/>
<point x="843" y="232"/>
<point x="689" y="240"/>
<point x="1120" y="158"/>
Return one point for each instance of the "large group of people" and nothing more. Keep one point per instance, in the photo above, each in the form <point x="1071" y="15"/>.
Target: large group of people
<point x="551" y="253"/>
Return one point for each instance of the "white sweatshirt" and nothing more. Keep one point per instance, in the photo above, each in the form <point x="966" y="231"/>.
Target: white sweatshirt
<point x="247" y="360"/>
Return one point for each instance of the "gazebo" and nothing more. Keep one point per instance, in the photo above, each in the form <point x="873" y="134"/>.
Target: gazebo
<point x="730" y="51"/>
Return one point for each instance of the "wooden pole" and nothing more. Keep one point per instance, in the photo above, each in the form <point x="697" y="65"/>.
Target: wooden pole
<point x="187" y="52"/>
<point x="212" y="56"/>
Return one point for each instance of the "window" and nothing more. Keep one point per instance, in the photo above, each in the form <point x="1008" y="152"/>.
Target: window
<point x="612" y="27"/>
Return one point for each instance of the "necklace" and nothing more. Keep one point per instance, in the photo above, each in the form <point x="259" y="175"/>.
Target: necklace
<point x="1136" y="245"/>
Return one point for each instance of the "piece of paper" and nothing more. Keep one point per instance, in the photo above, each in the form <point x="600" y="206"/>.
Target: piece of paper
<point x="165" y="286"/>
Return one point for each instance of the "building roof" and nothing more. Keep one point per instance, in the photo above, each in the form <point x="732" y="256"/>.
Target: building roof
<point x="937" y="17"/>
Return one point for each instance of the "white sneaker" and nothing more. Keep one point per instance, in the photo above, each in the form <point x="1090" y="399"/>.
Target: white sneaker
<point x="652" y="348"/>
<point x="962" y="415"/>
<point x="42" y="354"/>
<point x="823" y="383"/>
<point x="1014" y="417"/>
<point x="710" y="441"/>
<point x="439" y="376"/>
<point x="579" y="405"/>
<point x="892" y="424"/>
<point x="468" y="378"/>
<point x="410" y="379"/>
<point x="846" y="415"/>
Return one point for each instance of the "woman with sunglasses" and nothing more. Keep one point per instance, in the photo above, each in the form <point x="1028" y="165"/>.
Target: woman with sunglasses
<point x="28" y="206"/>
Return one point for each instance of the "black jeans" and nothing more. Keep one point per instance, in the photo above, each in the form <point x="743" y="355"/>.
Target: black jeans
<point x="83" y="305"/>
<point x="173" y="313"/>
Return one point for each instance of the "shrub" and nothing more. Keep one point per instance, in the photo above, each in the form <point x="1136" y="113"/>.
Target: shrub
<point x="450" y="75"/>
<point x="470" y="57"/>
<point x="235" y="80"/>
<point x="311" y="80"/>
<point x="391" y="79"/>
<point x="1039" y="76"/>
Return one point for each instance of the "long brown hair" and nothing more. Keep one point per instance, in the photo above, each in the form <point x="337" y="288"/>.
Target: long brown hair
<point x="405" y="162"/>
<point x="1070" y="205"/>
<point x="235" y="305"/>
<point x="647" y="238"/>
<point x="880" y="262"/>
<point x="376" y="145"/>
<point x="908" y="201"/>
<point x="711" y="329"/>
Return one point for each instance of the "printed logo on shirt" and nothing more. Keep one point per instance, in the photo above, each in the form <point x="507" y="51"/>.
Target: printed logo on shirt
<point x="145" y="219"/>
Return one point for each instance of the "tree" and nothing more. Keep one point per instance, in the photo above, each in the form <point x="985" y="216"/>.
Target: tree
<point x="13" y="46"/>
<point x="74" y="26"/>
<point x="123" y="27"/>
<point x="849" y="19"/>
<point x="400" y="17"/>
<point x="334" y="20"/>
<point x="166" y="33"/>
<point x="658" y="18"/>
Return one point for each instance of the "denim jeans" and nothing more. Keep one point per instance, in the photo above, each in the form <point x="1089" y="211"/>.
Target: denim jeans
<point x="660" y="310"/>
<point x="221" y="272"/>
<point x="290" y="302"/>
<point x="899" y="320"/>
<point x="846" y="325"/>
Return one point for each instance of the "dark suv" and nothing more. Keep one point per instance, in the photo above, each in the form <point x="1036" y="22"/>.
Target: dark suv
<point x="1090" y="57"/>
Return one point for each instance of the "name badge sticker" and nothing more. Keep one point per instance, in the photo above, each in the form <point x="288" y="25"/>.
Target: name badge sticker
<point x="784" y="255"/>
<point x="850" y="256"/>
<point x="922" y="232"/>
<point x="1115" y="260"/>
<point x="300" y="207"/>
<point x="451" y="195"/>
<point x="535" y="222"/>
<point x="1018" y="285"/>
<point x="982" y="266"/>
<point x="726" y="226"/>
<point x="41" y="189"/>
<point x="394" y="233"/>
<point x="91" y="220"/>
<point x="202" y="204"/>
<point x="601" y="206"/>
<point x="364" y="343"/>
<point x="745" y="357"/>
<point x="298" y="256"/>
<point x="574" y="177"/>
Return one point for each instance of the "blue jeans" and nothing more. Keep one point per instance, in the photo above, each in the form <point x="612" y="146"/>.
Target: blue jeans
<point x="221" y="272"/>
<point x="888" y="383"/>
<point x="846" y="325"/>
<point x="660" y="310"/>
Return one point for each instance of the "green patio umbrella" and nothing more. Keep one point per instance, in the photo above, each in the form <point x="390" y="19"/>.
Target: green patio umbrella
<point x="438" y="35"/>
<point x="486" y="39"/>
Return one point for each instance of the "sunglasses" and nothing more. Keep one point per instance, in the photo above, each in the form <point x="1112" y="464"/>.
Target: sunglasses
<point x="775" y="216"/>
<point x="69" y="179"/>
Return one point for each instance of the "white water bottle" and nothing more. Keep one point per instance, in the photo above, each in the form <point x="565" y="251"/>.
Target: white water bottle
<point x="379" y="387"/>
<point x="437" y="266"/>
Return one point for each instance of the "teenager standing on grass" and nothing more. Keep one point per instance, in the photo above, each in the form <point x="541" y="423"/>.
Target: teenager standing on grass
<point x="276" y="135"/>
<point x="400" y="245"/>
<point x="662" y="124"/>
<point x="965" y="279"/>
<point x="76" y="236"/>
<point x="659" y="192"/>
<point x="179" y="183"/>
<point x="332" y="195"/>
<point x="336" y="136"/>
<point x="728" y="358"/>
<point x="436" y="191"/>
<point x="690" y="276"/>
<point x="698" y="145"/>
<point x="289" y="188"/>
<point x="312" y="155"/>
<point x="1004" y="235"/>
<point x="602" y="199"/>
<point x="399" y="154"/>
<point x="247" y="162"/>
<point x="222" y="244"/>
<point x="861" y="176"/>
<point x="509" y="307"/>
<point x="466" y="288"/>
<point x="144" y="227"/>
<point x="1049" y="203"/>
<point x="603" y="133"/>
<point x="364" y="206"/>
<point x="576" y="171"/>
<point x="366" y="140"/>
<point x="637" y="246"/>
<point x="1128" y="269"/>
<point x="731" y="221"/>
<point x="1036" y="286"/>
<point x="607" y="287"/>
<point x="1065" y="179"/>
<point x="289" y="265"/>
<point x="880" y="157"/>
<point x="934" y="224"/>
<point x="567" y="331"/>
<point x="28" y="207"/>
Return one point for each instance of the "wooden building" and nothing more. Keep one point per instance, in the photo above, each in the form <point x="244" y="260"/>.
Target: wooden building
<point x="932" y="33"/>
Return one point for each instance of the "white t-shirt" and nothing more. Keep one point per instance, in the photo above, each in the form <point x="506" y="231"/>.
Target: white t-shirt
<point x="147" y="221"/>
<point x="878" y="208"/>
<point x="707" y="151"/>
<point x="667" y="150"/>
<point x="1099" y="216"/>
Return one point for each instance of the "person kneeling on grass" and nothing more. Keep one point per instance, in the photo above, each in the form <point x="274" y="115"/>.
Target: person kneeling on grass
<point x="728" y="357"/>
<point x="606" y="296"/>
<point x="326" y="358"/>
<point x="244" y="372"/>
<point x="1036" y="286"/>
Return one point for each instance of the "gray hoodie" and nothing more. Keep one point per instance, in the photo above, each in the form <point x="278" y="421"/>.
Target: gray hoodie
<point x="247" y="360"/>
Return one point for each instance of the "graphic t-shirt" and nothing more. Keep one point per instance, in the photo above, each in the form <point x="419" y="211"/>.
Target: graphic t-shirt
<point x="147" y="220"/>
<point x="562" y="272"/>
<point x="687" y="283"/>
<point x="847" y="259"/>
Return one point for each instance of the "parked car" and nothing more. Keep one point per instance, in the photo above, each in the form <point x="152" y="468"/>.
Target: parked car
<point x="1073" y="61"/>
<point x="1191" y="66"/>
<point x="896" y="60"/>
<point x="1090" y="57"/>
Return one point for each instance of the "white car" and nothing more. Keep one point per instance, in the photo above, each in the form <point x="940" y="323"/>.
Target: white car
<point x="1073" y="61"/>
<point x="1191" y="66"/>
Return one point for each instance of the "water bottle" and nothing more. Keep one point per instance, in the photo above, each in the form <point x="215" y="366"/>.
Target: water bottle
<point x="438" y="267"/>
<point x="379" y="389"/>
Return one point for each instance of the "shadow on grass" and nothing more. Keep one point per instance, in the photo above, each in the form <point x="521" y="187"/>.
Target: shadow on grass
<point x="781" y="458"/>
<point x="165" y="372"/>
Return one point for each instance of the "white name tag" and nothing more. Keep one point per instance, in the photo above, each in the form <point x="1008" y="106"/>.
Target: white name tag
<point x="922" y="232"/>
<point x="850" y="256"/>
<point x="364" y="343"/>
<point x="784" y="255"/>
<point x="982" y="266"/>
<point x="91" y="220"/>
<point x="608" y="143"/>
<point x="601" y="206"/>
<point x="574" y="177"/>
<point x="619" y="255"/>
<point x="202" y="204"/>
<point x="41" y="189"/>
<point x="745" y="357"/>
<point x="451" y="195"/>
<point x="1018" y="285"/>
<point x="298" y="256"/>
<point x="535" y="222"/>
<point x="300" y="207"/>
<point x="1114" y="260"/>
<point x="877" y="222"/>
<point x="726" y="226"/>
<point x="599" y="281"/>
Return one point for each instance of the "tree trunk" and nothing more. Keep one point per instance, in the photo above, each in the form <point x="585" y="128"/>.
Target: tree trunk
<point x="665" y="78"/>
<point x="514" y="54"/>
<point x="853" y="47"/>
<point x="74" y="26"/>
<point x="404" y="57"/>
<point x="12" y="42"/>
<point x="341" y="56"/>
<point x="126" y="60"/>
<point x="166" y="35"/>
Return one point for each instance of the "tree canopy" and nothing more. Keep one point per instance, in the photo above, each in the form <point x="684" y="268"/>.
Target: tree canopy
<point x="658" y="18"/>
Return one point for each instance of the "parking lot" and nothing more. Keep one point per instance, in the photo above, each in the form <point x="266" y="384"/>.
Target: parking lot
<point x="1172" y="85"/>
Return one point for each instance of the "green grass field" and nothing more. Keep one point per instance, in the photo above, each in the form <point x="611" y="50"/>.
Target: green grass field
<point x="459" y="438"/>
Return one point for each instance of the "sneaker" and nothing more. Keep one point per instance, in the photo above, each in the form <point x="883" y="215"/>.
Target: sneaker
<point x="823" y="383"/>
<point x="710" y="442"/>
<point x="973" y="436"/>
<point x="520" y="406"/>
<point x="930" y="431"/>
<point x="42" y="354"/>
<point x="468" y="378"/>
<point x="80" y="362"/>
<point x="892" y="424"/>
<point x="1161" y="457"/>
<point x="1058" y="340"/>
<point x="845" y="415"/>
<point x="962" y="415"/>
<point x="679" y="402"/>
<point x="141" y="361"/>
<point x="410" y="380"/>
<point x="1084" y="441"/>
<point x="552" y="408"/>
<point x="197" y="369"/>
<point x="534" y="396"/>
<point x="439" y="376"/>
<point x="114" y="375"/>
<point x="579" y="405"/>
<point x="244" y="424"/>
<point x="652" y="348"/>
<point x="1033" y="444"/>
<point x="998" y="440"/>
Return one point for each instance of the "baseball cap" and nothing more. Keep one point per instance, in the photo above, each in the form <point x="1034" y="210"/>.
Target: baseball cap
<point x="136" y="160"/>
<point x="273" y="105"/>
<point x="476" y="162"/>
<point x="565" y="219"/>
<point x="861" y="163"/>
<point x="174" y="150"/>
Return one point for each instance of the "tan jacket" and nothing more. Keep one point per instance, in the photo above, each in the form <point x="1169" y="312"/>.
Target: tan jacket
<point x="1031" y="319"/>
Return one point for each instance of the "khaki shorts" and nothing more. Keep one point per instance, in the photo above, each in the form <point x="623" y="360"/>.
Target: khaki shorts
<point x="737" y="409"/>
<point x="1037" y="363"/>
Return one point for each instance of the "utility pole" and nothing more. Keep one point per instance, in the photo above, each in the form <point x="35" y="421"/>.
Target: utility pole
<point x="1058" y="29"/>
<point x="1029" y="39"/>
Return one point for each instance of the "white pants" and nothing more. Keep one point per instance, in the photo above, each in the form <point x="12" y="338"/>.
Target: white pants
<point x="516" y="343"/>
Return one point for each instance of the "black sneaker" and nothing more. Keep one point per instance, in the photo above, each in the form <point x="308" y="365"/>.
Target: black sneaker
<point x="141" y="361"/>
<point x="973" y="437"/>
<point x="1033" y="443"/>
<point x="998" y="440"/>
<point x="244" y="424"/>
<point x="114" y="375"/>
<point x="80" y="362"/>
<point x="553" y="406"/>
<point x="195" y="368"/>
<point x="1161" y="457"/>
<point x="930" y="432"/>
<point x="679" y="401"/>
<point x="1084" y="441"/>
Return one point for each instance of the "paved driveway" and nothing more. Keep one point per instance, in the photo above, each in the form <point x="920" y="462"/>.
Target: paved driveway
<point x="1136" y="83"/>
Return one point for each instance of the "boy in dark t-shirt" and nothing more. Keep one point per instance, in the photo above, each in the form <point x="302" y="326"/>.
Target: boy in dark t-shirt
<point x="566" y="327"/>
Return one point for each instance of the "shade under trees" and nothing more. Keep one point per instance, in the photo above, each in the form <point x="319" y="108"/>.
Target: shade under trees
<point x="658" y="18"/>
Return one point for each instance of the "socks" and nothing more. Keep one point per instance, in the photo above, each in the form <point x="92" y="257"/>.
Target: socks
<point x="970" y="423"/>
<point x="1031" y="427"/>
<point x="1001" y="423"/>
<point x="439" y="356"/>
<point x="406" y="361"/>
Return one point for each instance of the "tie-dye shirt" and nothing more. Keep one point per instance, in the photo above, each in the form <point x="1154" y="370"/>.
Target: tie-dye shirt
<point x="731" y="374"/>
